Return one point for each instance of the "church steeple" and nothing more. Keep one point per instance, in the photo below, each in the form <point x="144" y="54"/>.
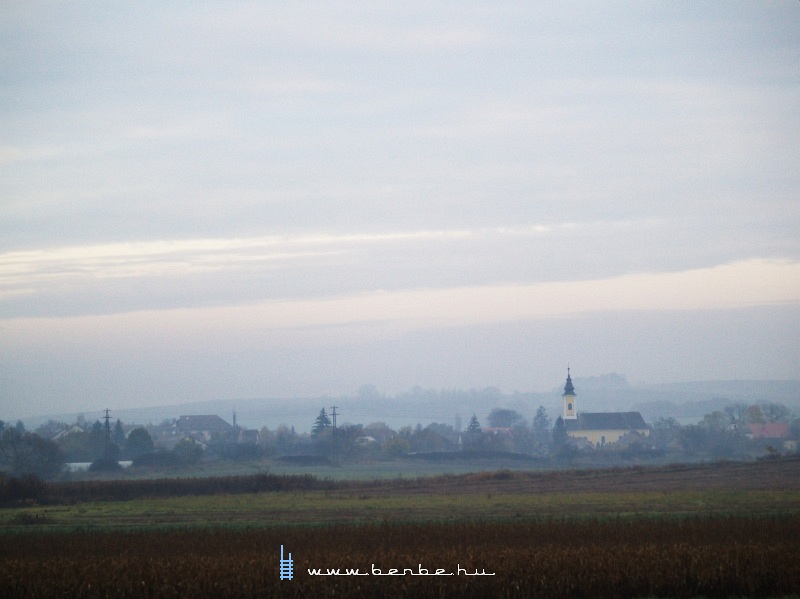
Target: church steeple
<point x="570" y="412"/>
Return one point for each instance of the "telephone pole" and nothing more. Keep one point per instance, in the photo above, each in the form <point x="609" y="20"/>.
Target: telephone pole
<point x="334" y="414"/>
<point x="107" y="451"/>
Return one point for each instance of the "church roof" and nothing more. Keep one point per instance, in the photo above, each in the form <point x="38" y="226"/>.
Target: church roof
<point x="592" y="421"/>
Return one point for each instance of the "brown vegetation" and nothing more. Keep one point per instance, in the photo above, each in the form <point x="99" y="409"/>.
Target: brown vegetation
<point x="712" y="557"/>
<point x="750" y="550"/>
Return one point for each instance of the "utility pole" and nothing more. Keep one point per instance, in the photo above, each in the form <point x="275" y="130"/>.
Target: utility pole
<point x="335" y="437"/>
<point x="107" y="452"/>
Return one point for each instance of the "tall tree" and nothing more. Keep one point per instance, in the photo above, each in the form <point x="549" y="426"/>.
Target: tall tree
<point x="540" y="430"/>
<point x="541" y="423"/>
<point x="473" y="439"/>
<point x="322" y="423"/>
<point x="718" y="421"/>
<point x="754" y="415"/>
<point x="27" y="453"/>
<point x="474" y="427"/>
<point x="776" y="412"/>
<point x="736" y="412"/>
<point x="139" y="442"/>
<point x="118" y="436"/>
<point x="559" y="434"/>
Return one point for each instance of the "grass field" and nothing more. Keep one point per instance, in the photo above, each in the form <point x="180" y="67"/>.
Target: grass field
<point x="326" y="507"/>
<point x="722" y="530"/>
<point x="365" y="471"/>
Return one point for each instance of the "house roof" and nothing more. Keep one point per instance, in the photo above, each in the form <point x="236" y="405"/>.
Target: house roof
<point x="592" y="421"/>
<point x="771" y="430"/>
<point x="51" y="429"/>
<point x="211" y="423"/>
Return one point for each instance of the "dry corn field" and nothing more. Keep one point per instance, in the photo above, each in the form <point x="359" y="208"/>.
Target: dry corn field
<point x="614" y="557"/>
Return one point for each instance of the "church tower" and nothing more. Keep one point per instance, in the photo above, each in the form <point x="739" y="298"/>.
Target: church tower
<point x="570" y="412"/>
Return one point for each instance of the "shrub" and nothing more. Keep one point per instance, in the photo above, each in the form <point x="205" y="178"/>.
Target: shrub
<point x="188" y="451"/>
<point x="16" y="490"/>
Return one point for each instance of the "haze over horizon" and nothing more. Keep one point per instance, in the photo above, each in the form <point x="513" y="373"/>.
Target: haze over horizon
<point x="225" y="200"/>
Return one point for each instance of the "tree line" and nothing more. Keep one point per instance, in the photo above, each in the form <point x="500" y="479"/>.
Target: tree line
<point x="720" y="434"/>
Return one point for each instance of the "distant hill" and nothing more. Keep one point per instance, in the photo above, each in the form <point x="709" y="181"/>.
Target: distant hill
<point x="694" y="400"/>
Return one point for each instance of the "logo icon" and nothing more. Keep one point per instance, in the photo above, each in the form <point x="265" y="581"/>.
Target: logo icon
<point x="286" y="566"/>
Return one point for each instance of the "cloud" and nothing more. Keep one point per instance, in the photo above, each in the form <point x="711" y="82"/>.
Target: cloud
<point x="736" y="285"/>
<point x="89" y="269"/>
<point x="130" y="276"/>
<point x="21" y="154"/>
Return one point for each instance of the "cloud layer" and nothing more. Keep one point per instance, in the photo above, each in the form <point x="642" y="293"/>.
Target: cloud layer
<point x="371" y="172"/>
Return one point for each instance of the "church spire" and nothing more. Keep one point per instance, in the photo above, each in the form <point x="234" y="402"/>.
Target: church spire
<point x="570" y="411"/>
<point x="568" y="388"/>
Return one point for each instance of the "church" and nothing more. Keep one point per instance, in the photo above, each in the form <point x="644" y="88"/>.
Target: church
<point x="599" y="428"/>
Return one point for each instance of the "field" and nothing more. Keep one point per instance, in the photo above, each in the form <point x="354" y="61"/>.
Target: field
<point x="720" y="530"/>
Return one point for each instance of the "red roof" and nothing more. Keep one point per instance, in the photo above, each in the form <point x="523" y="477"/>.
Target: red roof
<point x="771" y="430"/>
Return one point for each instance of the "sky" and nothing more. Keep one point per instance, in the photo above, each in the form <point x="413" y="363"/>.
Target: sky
<point x="213" y="200"/>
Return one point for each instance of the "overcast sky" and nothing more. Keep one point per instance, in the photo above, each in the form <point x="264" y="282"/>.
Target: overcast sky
<point x="209" y="200"/>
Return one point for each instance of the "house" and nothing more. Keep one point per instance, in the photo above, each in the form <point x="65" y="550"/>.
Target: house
<point x="771" y="430"/>
<point x="203" y="428"/>
<point x="498" y="438"/>
<point x="772" y="433"/>
<point x="366" y="441"/>
<point x="57" y="431"/>
<point x="506" y="431"/>
<point x="248" y="436"/>
<point x="600" y="428"/>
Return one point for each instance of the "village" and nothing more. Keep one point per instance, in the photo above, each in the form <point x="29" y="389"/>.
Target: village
<point x="740" y="432"/>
